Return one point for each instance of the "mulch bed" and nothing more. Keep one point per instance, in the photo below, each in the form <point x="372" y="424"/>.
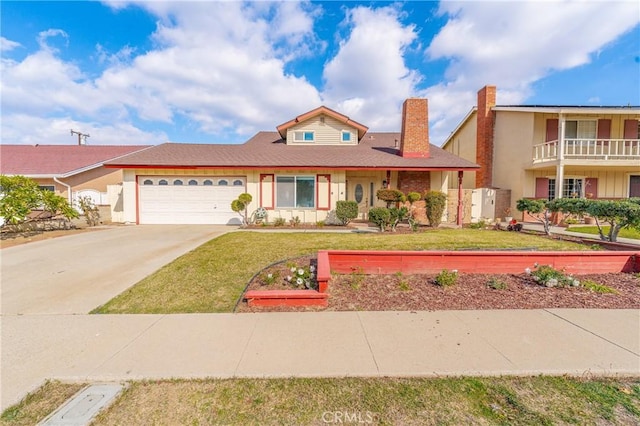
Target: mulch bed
<point x="398" y="292"/>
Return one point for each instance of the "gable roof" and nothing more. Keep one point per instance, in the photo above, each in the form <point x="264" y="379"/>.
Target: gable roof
<point x="269" y="150"/>
<point x="58" y="160"/>
<point x="282" y="129"/>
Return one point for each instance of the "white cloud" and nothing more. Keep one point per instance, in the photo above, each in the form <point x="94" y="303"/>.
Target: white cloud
<point x="368" y="78"/>
<point x="56" y="131"/>
<point x="43" y="37"/>
<point x="514" y="44"/>
<point x="6" y="45"/>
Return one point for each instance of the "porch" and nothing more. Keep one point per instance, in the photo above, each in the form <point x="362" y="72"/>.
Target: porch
<point x="616" y="151"/>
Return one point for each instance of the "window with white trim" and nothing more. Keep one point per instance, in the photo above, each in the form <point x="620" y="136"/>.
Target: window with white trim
<point x="580" y="129"/>
<point x="346" y="136"/>
<point x="303" y="136"/>
<point x="295" y="191"/>
<point x="571" y="188"/>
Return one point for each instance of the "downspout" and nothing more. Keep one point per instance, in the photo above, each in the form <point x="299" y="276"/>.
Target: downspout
<point x="460" y="193"/>
<point x="69" y="198"/>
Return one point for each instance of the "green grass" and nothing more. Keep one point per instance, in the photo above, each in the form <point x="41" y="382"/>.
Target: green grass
<point x="624" y="233"/>
<point x="212" y="277"/>
<point x="444" y="401"/>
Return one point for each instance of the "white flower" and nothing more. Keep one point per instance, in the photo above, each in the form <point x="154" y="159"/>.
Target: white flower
<point x="293" y="269"/>
<point x="575" y="283"/>
<point x="455" y="271"/>
<point x="527" y="271"/>
<point x="552" y="282"/>
<point x="536" y="278"/>
<point x="312" y="268"/>
<point x="300" y="271"/>
<point x="269" y="276"/>
<point x="289" y="278"/>
<point x="299" y="281"/>
<point x="312" y="276"/>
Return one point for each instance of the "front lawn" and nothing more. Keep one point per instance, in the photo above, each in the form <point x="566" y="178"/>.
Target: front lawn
<point x="212" y="277"/>
<point x="624" y="233"/>
<point x="399" y="401"/>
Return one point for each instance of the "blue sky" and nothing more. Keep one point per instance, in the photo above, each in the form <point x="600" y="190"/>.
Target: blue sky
<point x="217" y="72"/>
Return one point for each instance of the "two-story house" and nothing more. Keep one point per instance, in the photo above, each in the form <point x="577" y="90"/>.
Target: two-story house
<point x="300" y="170"/>
<point x="550" y="151"/>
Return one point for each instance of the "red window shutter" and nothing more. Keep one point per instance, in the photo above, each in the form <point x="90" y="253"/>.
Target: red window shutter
<point x="604" y="131"/>
<point x="630" y="129"/>
<point x="267" y="191"/>
<point x="591" y="187"/>
<point x="542" y="187"/>
<point x="552" y="129"/>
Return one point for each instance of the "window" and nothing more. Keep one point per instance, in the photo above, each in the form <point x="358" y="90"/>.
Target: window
<point x="193" y="182"/>
<point x="295" y="191"/>
<point x="163" y="182"/>
<point x="238" y="182"/>
<point x="222" y="182"/>
<point x="571" y="188"/>
<point x="207" y="182"/>
<point x="50" y="188"/>
<point x="346" y="136"/>
<point x="303" y="136"/>
<point x="147" y="182"/>
<point x="580" y="129"/>
<point x="177" y="182"/>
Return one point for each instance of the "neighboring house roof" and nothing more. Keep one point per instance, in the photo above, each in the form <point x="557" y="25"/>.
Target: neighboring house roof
<point x="58" y="160"/>
<point x="269" y="150"/>
<point x="282" y="129"/>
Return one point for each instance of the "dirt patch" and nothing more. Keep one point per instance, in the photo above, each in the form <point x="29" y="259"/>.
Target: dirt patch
<point x="358" y="292"/>
<point x="11" y="239"/>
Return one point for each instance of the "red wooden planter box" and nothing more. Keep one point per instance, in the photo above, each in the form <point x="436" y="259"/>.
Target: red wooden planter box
<point x="285" y="298"/>
<point x="482" y="262"/>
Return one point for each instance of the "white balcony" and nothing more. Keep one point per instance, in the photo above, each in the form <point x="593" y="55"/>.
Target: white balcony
<point x="621" y="150"/>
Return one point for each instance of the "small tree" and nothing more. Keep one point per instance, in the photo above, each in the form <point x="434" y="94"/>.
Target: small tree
<point x="397" y="215"/>
<point x="380" y="216"/>
<point x="240" y="205"/>
<point x="435" y="203"/>
<point x="538" y="209"/>
<point x="89" y="210"/>
<point x="21" y="195"/>
<point x="619" y="215"/>
<point x="412" y="197"/>
<point x="346" y="211"/>
<point x="390" y="196"/>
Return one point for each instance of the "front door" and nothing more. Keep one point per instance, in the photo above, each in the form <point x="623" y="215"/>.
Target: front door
<point x="359" y="190"/>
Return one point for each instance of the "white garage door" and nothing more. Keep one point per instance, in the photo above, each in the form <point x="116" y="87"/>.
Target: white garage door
<point x="189" y="200"/>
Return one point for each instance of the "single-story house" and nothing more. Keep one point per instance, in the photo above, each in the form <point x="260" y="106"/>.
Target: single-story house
<point x="300" y="170"/>
<point x="550" y="151"/>
<point x="68" y="170"/>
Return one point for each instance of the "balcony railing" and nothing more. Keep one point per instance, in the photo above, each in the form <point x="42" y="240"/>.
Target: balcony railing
<point x="588" y="149"/>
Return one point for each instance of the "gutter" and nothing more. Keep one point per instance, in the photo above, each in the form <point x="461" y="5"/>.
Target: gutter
<point x="55" y="179"/>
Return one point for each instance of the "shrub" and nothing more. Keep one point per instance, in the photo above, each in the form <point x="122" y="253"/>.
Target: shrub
<point x="412" y="197"/>
<point x="435" y="203"/>
<point x="320" y="224"/>
<point x="447" y="278"/>
<point x="390" y="196"/>
<point x="89" y="210"/>
<point x="279" y="221"/>
<point x="497" y="284"/>
<point x="598" y="288"/>
<point x="380" y="216"/>
<point x="346" y="211"/>
<point x="549" y="277"/>
<point x="294" y="221"/>
<point x="397" y="215"/>
<point x="302" y="276"/>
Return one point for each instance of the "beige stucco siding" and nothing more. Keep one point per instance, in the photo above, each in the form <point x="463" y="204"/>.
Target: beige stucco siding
<point x="512" y="149"/>
<point x="327" y="131"/>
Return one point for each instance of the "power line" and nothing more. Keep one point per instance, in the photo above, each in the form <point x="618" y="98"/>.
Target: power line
<point x="82" y="137"/>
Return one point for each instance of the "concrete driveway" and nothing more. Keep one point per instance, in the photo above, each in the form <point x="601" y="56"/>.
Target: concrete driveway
<point x="75" y="274"/>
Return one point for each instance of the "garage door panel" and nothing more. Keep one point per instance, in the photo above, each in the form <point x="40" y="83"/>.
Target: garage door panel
<point x="187" y="204"/>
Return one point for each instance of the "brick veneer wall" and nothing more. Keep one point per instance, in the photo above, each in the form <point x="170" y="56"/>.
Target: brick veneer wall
<point x="484" y="136"/>
<point x="414" y="181"/>
<point x="414" y="140"/>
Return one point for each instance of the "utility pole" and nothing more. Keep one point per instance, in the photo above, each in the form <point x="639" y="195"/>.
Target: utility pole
<point x="82" y="137"/>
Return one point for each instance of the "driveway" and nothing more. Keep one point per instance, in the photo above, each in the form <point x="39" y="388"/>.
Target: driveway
<point x="75" y="274"/>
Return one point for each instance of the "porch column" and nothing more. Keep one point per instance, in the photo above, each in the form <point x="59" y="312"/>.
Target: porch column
<point x="560" y="156"/>
<point x="460" y="194"/>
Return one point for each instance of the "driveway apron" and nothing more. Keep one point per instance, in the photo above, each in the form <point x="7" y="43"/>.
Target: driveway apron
<point x="75" y="274"/>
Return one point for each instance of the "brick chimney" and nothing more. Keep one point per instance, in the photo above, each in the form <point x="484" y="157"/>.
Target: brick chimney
<point x="484" y="136"/>
<point x="414" y="140"/>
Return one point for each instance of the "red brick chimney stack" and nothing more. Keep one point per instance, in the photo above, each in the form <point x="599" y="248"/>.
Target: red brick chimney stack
<point x="414" y="140"/>
<point x="484" y="136"/>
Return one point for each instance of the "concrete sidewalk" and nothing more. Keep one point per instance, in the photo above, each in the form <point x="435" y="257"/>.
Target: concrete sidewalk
<point x="559" y="230"/>
<point x="328" y="344"/>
